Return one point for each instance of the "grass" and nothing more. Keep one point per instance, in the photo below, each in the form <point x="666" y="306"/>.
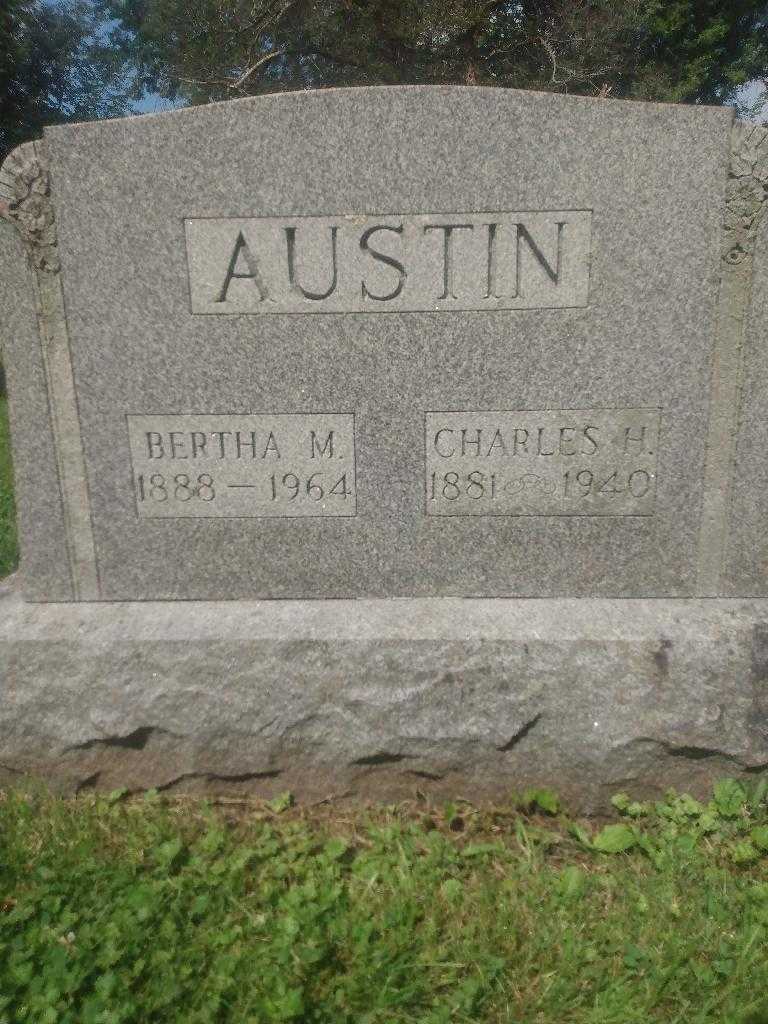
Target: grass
<point x="8" y="544"/>
<point x="116" y="909"/>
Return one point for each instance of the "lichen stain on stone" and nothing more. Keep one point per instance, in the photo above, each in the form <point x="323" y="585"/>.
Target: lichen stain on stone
<point x="661" y="657"/>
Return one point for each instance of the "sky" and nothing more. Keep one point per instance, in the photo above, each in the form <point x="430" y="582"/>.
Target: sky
<point x="750" y="93"/>
<point x="154" y="104"/>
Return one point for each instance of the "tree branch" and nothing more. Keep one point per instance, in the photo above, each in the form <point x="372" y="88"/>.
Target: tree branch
<point x="236" y="83"/>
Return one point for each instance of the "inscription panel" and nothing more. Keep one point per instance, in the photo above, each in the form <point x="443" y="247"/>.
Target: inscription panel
<point x="370" y="264"/>
<point x="570" y="462"/>
<point x="276" y="466"/>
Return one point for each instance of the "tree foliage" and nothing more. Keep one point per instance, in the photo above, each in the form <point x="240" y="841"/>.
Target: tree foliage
<point x="676" y="50"/>
<point x="56" y="64"/>
<point x="80" y="59"/>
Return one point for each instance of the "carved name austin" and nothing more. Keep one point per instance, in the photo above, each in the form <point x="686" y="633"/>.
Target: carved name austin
<point x="371" y="264"/>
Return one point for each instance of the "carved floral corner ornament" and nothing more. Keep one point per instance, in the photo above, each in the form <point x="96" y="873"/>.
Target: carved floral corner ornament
<point x="747" y="190"/>
<point x="25" y="201"/>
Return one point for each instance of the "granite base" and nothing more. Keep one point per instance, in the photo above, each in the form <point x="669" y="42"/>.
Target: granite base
<point x="385" y="698"/>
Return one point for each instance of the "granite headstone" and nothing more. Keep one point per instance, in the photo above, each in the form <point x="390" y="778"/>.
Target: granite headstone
<point x="414" y="343"/>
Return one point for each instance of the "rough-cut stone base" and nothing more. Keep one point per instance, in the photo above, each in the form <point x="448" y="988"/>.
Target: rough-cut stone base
<point x="381" y="698"/>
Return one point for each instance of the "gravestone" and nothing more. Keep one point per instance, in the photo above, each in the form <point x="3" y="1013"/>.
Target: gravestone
<point x="375" y="366"/>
